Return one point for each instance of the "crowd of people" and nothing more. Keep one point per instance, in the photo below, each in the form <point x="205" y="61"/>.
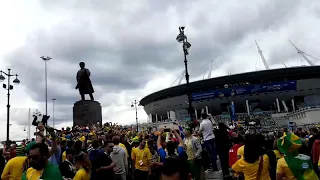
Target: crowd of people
<point x="197" y="151"/>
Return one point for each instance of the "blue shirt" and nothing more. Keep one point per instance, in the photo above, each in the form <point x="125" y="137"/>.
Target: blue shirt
<point x="181" y="153"/>
<point x="55" y="158"/>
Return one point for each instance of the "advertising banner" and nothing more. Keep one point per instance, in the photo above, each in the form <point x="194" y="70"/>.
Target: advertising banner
<point x="245" y="90"/>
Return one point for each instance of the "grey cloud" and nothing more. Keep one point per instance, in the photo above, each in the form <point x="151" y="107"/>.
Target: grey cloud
<point x="123" y="43"/>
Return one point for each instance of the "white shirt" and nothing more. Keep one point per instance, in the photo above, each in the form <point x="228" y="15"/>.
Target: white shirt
<point x="206" y="129"/>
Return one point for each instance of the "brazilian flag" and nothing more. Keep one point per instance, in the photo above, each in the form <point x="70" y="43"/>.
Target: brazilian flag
<point x="299" y="164"/>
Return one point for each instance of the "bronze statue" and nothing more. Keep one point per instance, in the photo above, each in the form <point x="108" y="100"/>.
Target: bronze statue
<point x="83" y="82"/>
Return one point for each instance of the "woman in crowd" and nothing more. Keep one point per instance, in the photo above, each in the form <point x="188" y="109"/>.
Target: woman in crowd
<point x="253" y="165"/>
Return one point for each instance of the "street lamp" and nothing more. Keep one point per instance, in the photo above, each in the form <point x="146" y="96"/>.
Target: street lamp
<point x="135" y="104"/>
<point x="182" y="38"/>
<point x="46" y="79"/>
<point x="53" y="111"/>
<point x="36" y="114"/>
<point x="8" y="87"/>
<point x="27" y="131"/>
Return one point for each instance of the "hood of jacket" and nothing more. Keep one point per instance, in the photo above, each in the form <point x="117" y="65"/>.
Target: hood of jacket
<point x="116" y="149"/>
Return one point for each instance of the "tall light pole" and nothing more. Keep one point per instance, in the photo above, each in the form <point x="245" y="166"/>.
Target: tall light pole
<point x="53" y="111"/>
<point x="8" y="87"/>
<point x="135" y="104"/>
<point x="46" y="79"/>
<point x="182" y="38"/>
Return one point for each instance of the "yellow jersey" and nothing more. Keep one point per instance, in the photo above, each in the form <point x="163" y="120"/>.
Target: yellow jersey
<point x="250" y="170"/>
<point x="13" y="168"/>
<point x="142" y="158"/>
<point x="82" y="175"/>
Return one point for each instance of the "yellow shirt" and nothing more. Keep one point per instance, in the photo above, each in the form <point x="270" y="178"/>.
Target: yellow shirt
<point x="278" y="154"/>
<point x="82" y="138"/>
<point x="33" y="174"/>
<point x="124" y="147"/>
<point x="134" y="150"/>
<point x="13" y="168"/>
<point x="142" y="158"/>
<point x="189" y="151"/>
<point x="82" y="175"/>
<point x="64" y="156"/>
<point x="240" y="151"/>
<point x="250" y="170"/>
<point x="283" y="168"/>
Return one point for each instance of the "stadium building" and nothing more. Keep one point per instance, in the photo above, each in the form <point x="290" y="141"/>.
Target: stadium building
<point x="276" y="93"/>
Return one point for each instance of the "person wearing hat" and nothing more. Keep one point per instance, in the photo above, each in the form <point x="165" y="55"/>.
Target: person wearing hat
<point x="293" y="165"/>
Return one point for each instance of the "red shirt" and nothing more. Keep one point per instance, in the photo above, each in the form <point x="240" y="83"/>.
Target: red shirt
<point x="233" y="157"/>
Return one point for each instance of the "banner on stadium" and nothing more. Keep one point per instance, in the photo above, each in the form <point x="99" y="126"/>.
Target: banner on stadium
<point x="245" y="90"/>
<point x="233" y="112"/>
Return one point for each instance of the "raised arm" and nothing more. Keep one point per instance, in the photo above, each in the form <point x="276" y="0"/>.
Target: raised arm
<point x="159" y="139"/>
<point x="177" y="135"/>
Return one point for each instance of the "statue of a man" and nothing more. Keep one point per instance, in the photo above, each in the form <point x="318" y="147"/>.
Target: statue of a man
<point x="83" y="82"/>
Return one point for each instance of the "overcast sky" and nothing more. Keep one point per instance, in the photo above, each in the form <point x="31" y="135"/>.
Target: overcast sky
<point x="131" y="50"/>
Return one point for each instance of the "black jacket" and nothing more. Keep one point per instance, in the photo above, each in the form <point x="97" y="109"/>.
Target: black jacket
<point x="67" y="170"/>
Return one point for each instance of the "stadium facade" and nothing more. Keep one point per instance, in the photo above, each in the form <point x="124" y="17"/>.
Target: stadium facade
<point x="287" y="95"/>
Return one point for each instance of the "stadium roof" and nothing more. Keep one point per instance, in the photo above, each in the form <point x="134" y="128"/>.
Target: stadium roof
<point x="256" y="77"/>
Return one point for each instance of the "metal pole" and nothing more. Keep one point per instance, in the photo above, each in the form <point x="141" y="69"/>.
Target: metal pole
<point x="29" y="116"/>
<point x="46" y="86"/>
<point x="8" y="106"/>
<point x="135" y="104"/>
<point x="46" y="79"/>
<point x="187" y="78"/>
<point x="53" y="112"/>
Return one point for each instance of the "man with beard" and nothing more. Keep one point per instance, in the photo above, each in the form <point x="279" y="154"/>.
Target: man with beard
<point x="40" y="167"/>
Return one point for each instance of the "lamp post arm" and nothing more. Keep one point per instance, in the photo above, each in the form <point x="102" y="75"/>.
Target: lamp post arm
<point x="7" y="74"/>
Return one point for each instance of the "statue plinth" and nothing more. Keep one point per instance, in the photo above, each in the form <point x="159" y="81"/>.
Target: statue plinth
<point x="87" y="112"/>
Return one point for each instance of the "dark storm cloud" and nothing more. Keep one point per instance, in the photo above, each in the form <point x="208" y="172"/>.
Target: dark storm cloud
<point x="123" y="44"/>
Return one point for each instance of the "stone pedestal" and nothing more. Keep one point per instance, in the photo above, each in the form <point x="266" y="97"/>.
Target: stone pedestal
<point x="87" y="112"/>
